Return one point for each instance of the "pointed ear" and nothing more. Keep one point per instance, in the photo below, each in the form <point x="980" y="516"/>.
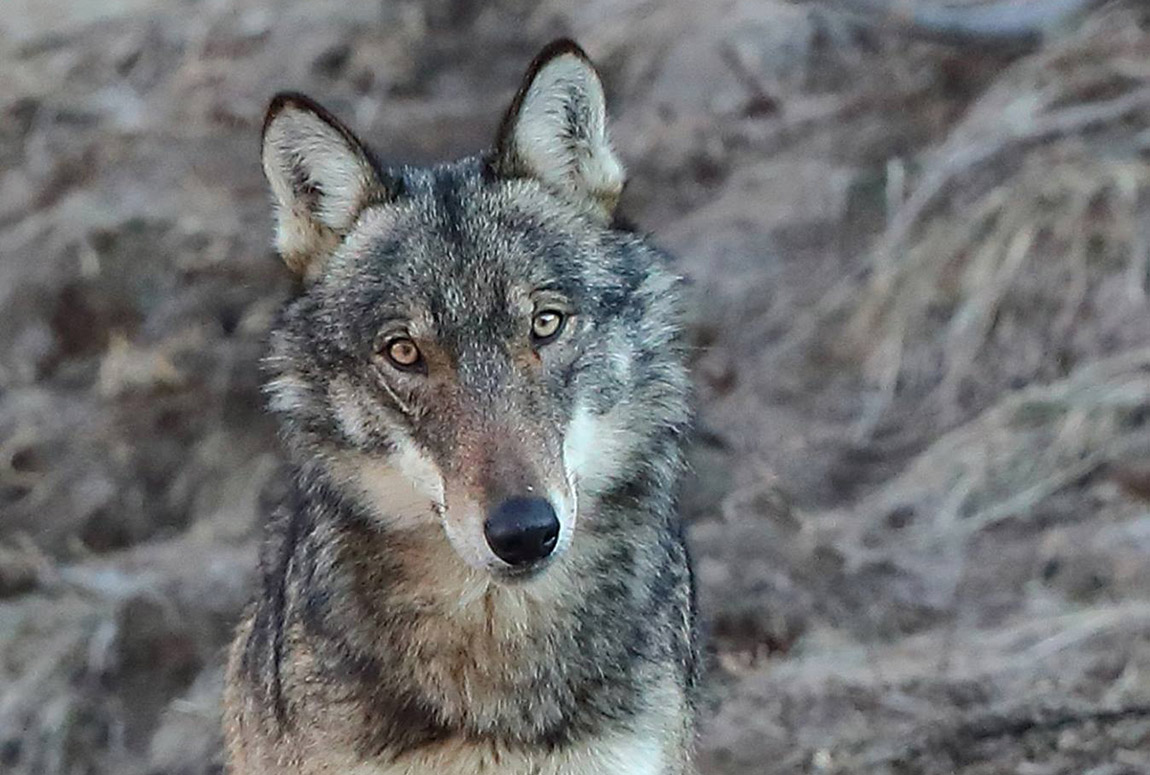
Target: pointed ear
<point x="556" y="131"/>
<point x="321" y="178"/>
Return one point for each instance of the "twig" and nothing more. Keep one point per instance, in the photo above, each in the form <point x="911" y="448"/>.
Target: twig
<point x="760" y="101"/>
<point x="1037" y="492"/>
<point x="1010" y="24"/>
<point x="964" y="735"/>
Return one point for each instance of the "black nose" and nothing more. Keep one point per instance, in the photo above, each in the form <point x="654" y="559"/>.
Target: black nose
<point x="522" y="530"/>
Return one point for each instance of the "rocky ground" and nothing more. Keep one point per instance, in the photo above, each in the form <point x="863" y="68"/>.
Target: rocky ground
<point x="920" y="279"/>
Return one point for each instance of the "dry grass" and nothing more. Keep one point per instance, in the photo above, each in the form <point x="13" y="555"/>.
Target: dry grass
<point x="900" y="612"/>
<point x="1044" y="178"/>
<point x="1032" y="444"/>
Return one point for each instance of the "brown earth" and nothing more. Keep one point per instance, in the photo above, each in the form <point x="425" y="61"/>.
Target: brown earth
<point x="920" y="280"/>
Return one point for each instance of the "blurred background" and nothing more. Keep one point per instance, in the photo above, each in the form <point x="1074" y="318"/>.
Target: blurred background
<point x="919" y="244"/>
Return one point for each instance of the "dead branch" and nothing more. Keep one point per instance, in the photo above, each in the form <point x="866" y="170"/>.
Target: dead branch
<point x="996" y="23"/>
<point x="968" y="732"/>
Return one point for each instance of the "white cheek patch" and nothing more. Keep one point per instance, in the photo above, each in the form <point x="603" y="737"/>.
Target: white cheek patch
<point x="404" y="489"/>
<point x="566" y="505"/>
<point x="596" y="448"/>
<point x="286" y="393"/>
<point x="420" y="470"/>
<point x="463" y="523"/>
<point x="398" y="499"/>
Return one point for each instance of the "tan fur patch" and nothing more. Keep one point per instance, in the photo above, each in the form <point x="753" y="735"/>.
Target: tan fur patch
<point x="327" y="746"/>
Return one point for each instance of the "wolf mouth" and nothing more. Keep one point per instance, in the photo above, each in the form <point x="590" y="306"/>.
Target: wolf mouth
<point x="524" y="574"/>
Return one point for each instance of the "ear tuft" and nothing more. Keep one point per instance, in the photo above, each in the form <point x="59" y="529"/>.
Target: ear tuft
<point x="321" y="178"/>
<point x="556" y="130"/>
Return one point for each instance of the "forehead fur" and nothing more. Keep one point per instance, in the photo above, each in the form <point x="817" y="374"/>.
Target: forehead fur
<point x="464" y="246"/>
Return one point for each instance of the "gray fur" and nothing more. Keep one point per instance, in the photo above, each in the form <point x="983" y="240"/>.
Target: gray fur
<point x="372" y="647"/>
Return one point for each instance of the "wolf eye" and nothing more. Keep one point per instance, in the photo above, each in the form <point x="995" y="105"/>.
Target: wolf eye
<point x="546" y="325"/>
<point x="403" y="352"/>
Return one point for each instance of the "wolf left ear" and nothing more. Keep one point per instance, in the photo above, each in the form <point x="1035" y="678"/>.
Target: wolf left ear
<point x="556" y="131"/>
<point x="321" y="178"/>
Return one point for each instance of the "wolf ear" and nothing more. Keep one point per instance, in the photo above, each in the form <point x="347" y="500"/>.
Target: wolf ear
<point x="321" y="178"/>
<point x="556" y="130"/>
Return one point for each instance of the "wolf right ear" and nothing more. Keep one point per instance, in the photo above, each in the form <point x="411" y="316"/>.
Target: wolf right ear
<point x="556" y="131"/>
<point x="321" y="178"/>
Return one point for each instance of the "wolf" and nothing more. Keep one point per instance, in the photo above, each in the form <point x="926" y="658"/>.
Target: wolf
<point x="481" y="389"/>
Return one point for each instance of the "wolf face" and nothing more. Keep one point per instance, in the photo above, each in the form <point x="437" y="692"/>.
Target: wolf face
<point x="474" y="350"/>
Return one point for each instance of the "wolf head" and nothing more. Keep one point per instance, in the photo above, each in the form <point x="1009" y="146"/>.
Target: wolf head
<point x="475" y="349"/>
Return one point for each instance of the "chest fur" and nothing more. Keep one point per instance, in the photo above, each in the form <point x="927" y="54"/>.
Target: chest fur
<point x="617" y="755"/>
<point x="523" y="663"/>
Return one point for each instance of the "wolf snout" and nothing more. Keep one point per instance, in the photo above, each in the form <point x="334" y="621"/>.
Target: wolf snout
<point x="521" y="531"/>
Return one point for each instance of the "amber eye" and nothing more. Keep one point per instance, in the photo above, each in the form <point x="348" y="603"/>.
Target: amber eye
<point x="546" y="325"/>
<point x="402" y="352"/>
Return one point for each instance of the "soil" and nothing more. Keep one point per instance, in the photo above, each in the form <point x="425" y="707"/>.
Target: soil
<point x="861" y="618"/>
